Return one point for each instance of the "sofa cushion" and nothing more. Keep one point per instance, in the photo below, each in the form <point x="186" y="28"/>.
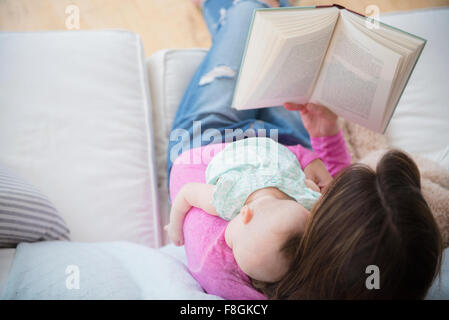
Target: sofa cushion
<point x="421" y="121"/>
<point x="75" y="121"/>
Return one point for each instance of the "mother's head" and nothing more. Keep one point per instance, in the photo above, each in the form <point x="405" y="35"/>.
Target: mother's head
<point x="365" y="218"/>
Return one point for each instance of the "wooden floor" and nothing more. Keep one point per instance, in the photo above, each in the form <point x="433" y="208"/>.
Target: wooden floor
<point x="161" y="23"/>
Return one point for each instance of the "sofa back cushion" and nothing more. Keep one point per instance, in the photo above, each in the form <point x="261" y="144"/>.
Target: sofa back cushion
<point x="75" y="121"/>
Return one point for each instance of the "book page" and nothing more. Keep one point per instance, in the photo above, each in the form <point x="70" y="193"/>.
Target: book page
<point x="356" y="77"/>
<point x="407" y="45"/>
<point x="292" y="77"/>
<point x="287" y="72"/>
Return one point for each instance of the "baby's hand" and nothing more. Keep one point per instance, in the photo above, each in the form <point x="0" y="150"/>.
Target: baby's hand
<point x="192" y="194"/>
<point x="175" y="234"/>
<point x="312" y="185"/>
<point x="317" y="172"/>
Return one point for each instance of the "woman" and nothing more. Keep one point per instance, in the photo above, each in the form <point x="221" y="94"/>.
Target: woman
<point x="274" y="248"/>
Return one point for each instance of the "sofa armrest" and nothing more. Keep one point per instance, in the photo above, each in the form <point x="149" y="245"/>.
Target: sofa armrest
<point x="169" y="73"/>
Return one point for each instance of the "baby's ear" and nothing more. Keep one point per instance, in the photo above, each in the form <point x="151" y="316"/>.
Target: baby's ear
<point x="247" y="214"/>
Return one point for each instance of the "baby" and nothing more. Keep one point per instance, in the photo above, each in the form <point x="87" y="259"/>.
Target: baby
<point x="259" y="187"/>
<point x="273" y="247"/>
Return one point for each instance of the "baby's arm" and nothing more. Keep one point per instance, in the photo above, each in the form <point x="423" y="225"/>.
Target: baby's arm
<point x="192" y="194"/>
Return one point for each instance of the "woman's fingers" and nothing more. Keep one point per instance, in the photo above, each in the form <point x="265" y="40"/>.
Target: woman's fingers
<point x="313" y="108"/>
<point x="310" y="108"/>
<point x="320" y="110"/>
<point x="291" y="106"/>
<point x="294" y="106"/>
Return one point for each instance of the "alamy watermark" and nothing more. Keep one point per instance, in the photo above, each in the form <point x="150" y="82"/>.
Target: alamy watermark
<point x="182" y="140"/>
<point x="372" y="13"/>
<point x="373" y="280"/>
<point x="72" y="282"/>
<point x="72" y="21"/>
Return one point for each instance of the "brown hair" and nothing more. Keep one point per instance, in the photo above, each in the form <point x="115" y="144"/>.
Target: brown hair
<point x="364" y="218"/>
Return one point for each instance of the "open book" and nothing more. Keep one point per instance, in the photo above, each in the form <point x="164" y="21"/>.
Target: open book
<point x="326" y="56"/>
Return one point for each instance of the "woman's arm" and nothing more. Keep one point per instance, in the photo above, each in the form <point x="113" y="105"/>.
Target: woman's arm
<point x="327" y="140"/>
<point x="192" y="194"/>
<point x="333" y="151"/>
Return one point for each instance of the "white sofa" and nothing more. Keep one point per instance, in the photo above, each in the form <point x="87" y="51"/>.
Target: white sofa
<point x="77" y="121"/>
<point x="419" y="125"/>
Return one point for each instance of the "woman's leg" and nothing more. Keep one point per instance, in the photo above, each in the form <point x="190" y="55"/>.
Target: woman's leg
<point x="215" y="11"/>
<point x="285" y="3"/>
<point x="206" y="103"/>
<point x="205" y="115"/>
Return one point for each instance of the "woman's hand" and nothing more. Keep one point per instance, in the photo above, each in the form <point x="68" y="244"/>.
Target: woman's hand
<point x="318" y="120"/>
<point x="317" y="172"/>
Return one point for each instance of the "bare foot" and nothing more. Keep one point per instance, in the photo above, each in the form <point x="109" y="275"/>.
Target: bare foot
<point x="271" y="3"/>
<point x="197" y="2"/>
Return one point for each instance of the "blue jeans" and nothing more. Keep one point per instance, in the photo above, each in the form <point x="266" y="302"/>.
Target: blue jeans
<point x="205" y="115"/>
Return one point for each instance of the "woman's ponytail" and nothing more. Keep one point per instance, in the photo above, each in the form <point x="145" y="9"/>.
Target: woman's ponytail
<point x="396" y="169"/>
<point x="367" y="218"/>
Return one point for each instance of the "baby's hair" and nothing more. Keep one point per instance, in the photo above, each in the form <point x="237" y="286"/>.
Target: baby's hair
<point x="364" y="218"/>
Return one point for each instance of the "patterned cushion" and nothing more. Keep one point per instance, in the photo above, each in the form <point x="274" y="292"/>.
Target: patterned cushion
<point x="26" y="215"/>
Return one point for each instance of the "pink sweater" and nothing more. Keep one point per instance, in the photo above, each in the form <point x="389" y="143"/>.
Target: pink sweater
<point x="209" y="259"/>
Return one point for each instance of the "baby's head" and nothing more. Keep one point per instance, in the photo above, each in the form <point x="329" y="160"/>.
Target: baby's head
<point x="259" y="233"/>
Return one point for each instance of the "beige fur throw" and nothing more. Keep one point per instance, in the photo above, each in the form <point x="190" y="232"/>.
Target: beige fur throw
<point x="368" y="147"/>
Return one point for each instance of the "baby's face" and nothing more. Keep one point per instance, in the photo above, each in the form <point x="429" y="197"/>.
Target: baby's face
<point x="257" y="242"/>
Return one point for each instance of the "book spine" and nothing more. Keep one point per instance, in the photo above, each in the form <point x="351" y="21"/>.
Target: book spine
<point x="341" y="8"/>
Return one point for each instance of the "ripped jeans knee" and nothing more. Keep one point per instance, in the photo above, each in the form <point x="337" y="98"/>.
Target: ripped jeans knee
<point x="220" y="71"/>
